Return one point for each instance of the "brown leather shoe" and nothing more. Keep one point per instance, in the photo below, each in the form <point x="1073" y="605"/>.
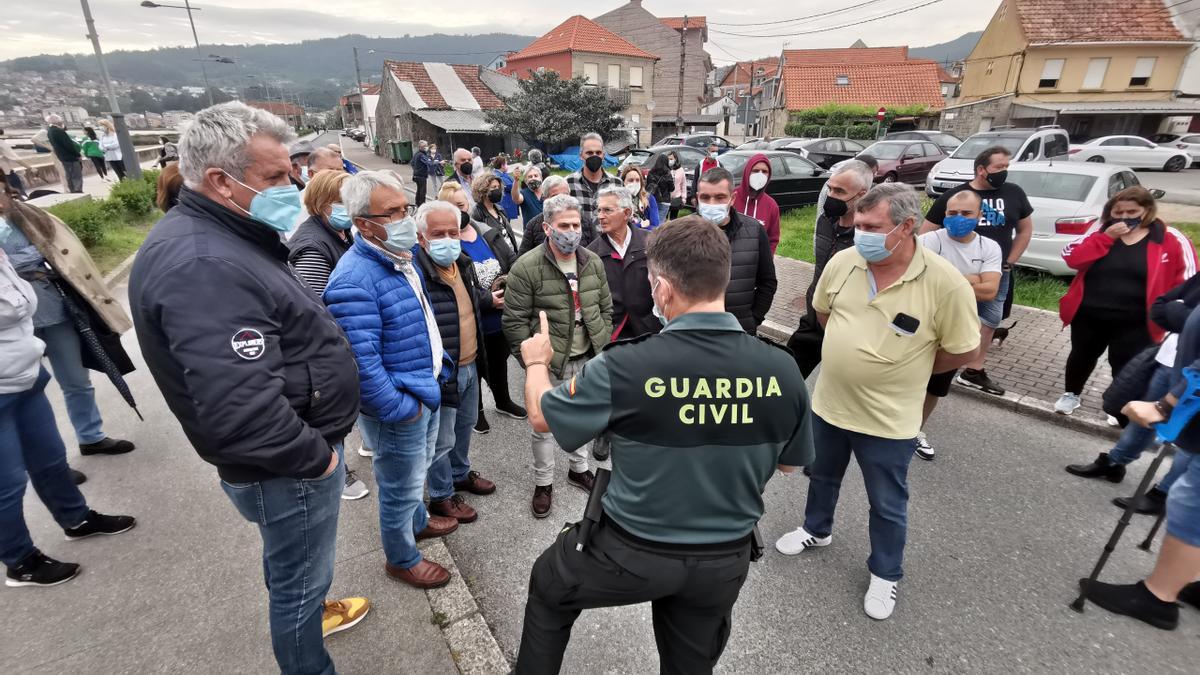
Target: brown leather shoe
<point x="543" y="495"/>
<point x="425" y="574"/>
<point x="438" y="526"/>
<point x="583" y="480"/>
<point x="453" y="507"/>
<point x="475" y="484"/>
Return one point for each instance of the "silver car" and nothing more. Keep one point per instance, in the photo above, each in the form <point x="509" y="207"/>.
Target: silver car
<point x="1067" y="199"/>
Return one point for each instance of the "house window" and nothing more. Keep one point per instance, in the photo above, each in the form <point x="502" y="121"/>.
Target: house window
<point x="591" y="73"/>
<point x="635" y="118"/>
<point x="1142" y="71"/>
<point x="614" y="76"/>
<point x="843" y="80"/>
<point x="989" y="68"/>
<point x="635" y="76"/>
<point x="1051" y="72"/>
<point x="1094" y="79"/>
<point x="1002" y="13"/>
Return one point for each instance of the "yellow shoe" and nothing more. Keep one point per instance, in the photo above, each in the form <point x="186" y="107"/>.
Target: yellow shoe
<point x="339" y="615"/>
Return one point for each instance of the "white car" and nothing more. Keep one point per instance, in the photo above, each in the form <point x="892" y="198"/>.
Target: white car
<point x="1025" y="145"/>
<point x="1189" y="143"/>
<point x="1067" y="199"/>
<point x="1131" y="151"/>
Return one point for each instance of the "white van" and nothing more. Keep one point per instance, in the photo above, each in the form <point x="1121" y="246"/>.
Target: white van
<point x="1026" y="145"/>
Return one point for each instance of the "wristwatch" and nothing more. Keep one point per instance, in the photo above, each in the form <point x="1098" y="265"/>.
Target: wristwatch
<point x="1164" y="408"/>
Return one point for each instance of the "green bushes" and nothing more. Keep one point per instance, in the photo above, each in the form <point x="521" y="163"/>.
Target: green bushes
<point x="803" y="130"/>
<point x="130" y="202"/>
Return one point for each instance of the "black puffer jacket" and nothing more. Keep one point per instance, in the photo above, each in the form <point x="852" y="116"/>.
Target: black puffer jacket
<point x="445" y="311"/>
<point x="752" y="281"/>
<point x="629" y="283"/>
<point x="829" y="239"/>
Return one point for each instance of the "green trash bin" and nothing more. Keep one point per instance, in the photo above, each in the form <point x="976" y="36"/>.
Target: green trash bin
<point x="404" y="151"/>
<point x="394" y="151"/>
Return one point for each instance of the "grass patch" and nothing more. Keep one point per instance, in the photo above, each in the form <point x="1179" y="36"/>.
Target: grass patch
<point x="119" y="243"/>
<point x="114" y="227"/>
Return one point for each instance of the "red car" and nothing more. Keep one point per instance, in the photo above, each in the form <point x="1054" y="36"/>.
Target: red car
<point x="904" y="161"/>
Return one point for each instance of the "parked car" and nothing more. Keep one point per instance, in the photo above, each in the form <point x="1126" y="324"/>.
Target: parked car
<point x="772" y="144"/>
<point x="1131" y="151"/>
<point x="689" y="157"/>
<point x="1189" y="143"/>
<point x="636" y="157"/>
<point x="1067" y="199"/>
<point x="700" y="141"/>
<point x="795" y="181"/>
<point x="947" y="142"/>
<point x="825" y="152"/>
<point x="904" y="161"/>
<point x="1026" y="145"/>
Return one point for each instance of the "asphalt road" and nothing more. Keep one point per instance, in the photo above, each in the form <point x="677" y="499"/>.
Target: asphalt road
<point x="1182" y="187"/>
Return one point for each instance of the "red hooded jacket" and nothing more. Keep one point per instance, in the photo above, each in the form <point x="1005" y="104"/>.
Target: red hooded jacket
<point x="758" y="204"/>
<point x="1170" y="260"/>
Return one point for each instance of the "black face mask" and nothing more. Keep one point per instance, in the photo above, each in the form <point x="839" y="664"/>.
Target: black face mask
<point x="495" y="195"/>
<point x="465" y="168"/>
<point x="533" y="184"/>
<point x="997" y="179"/>
<point x="464" y="220"/>
<point x="835" y="208"/>
<point x="1133" y="223"/>
<point x="594" y="163"/>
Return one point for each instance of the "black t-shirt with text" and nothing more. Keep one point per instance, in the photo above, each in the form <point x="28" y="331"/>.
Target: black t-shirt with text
<point x="1008" y="201"/>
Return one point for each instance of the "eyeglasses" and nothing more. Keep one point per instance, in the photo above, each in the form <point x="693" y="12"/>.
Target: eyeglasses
<point x="410" y="211"/>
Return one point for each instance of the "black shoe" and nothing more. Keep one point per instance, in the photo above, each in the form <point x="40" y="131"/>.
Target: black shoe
<point x="97" y="523"/>
<point x="38" y="569"/>
<point x="78" y="476"/>
<point x="583" y="480"/>
<point x="978" y="379"/>
<point x="481" y="425"/>
<point x="107" y="446"/>
<point x="1133" y="600"/>
<point x="1153" y="503"/>
<point x="1191" y="594"/>
<point x="512" y="410"/>
<point x="1101" y="468"/>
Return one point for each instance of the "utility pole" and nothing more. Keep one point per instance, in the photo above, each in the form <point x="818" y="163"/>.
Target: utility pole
<point x="362" y="104"/>
<point x="128" y="153"/>
<point x="203" y="71"/>
<point x="682" y="64"/>
<point x="749" y="95"/>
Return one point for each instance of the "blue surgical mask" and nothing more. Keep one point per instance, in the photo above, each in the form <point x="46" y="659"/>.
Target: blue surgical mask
<point x="714" y="213"/>
<point x="873" y="245"/>
<point x="5" y="230"/>
<point x="276" y="207"/>
<point x="960" y="226"/>
<point x="339" y="218"/>
<point x="304" y="173"/>
<point x="402" y="235"/>
<point x="445" y="251"/>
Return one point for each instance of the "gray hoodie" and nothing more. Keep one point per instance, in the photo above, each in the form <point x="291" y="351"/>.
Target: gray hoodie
<point x="20" y="351"/>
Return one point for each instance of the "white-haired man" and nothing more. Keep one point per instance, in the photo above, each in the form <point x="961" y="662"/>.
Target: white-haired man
<point x="568" y="283"/>
<point x="376" y="294"/>
<point x="249" y="361"/>
<point x="893" y="313"/>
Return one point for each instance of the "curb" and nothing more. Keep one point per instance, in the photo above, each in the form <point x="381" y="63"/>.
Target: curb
<point x="1025" y="405"/>
<point x="472" y="645"/>
<point x="118" y="273"/>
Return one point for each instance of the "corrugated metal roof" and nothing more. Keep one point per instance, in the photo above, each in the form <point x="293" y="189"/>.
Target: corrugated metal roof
<point x="456" y="121"/>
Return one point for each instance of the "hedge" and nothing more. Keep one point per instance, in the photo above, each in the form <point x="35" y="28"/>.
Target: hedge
<point x="129" y="202"/>
<point x="864" y="132"/>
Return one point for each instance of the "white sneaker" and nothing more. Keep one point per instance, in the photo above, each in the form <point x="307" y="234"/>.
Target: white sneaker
<point x="1112" y="421"/>
<point x="354" y="488"/>
<point x="794" y="542"/>
<point x="364" y="451"/>
<point x="924" y="449"/>
<point x="1067" y="403"/>
<point x="880" y="599"/>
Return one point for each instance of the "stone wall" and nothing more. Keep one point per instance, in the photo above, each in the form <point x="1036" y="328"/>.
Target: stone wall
<point x="965" y="120"/>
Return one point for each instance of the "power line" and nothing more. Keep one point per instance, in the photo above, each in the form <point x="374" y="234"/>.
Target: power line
<point x="825" y="30"/>
<point x="799" y="18"/>
<point x="392" y="51"/>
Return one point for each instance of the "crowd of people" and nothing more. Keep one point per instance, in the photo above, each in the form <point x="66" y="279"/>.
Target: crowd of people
<point x="288" y="297"/>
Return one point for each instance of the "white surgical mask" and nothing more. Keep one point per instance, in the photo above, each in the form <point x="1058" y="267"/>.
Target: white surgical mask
<point x="758" y="181"/>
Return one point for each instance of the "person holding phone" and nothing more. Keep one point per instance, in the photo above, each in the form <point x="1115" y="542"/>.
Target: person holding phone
<point x="893" y="315"/>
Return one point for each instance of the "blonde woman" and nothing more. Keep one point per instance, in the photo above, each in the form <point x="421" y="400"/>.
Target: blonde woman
<point x="111" y="146"/>
<point x="645" y="206"/>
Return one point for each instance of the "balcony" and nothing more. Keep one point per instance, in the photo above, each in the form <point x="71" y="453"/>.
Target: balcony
<point x="619" y="95"/>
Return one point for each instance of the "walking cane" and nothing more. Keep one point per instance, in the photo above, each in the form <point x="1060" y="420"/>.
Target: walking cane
<point x="1168" y="431"/>
<point x="1145" y="545"/>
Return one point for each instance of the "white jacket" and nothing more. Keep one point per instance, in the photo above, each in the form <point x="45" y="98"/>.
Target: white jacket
<point x="111" y="146"/>
<point x="20" y="351"/>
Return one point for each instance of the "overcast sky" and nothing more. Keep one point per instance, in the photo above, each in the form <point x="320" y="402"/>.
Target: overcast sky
<point x="56" y="26"/>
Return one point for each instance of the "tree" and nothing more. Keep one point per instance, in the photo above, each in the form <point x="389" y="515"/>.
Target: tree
<point x="550" y="110"/>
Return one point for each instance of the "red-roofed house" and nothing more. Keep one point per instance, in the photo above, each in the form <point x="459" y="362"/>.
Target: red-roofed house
<point x="358" y="110"/>
<point x="580" y="47"/>
<point x="1095" y="67"/>
<point x="440" y="102"/>
<point x="751" y="84"/>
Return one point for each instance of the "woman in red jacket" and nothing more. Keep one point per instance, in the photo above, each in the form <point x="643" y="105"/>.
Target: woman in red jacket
<point x="1122" y="267"/>
<point x="751" y="197"/>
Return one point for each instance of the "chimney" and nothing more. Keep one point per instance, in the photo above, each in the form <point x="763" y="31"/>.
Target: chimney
<point x="636" y="3"/>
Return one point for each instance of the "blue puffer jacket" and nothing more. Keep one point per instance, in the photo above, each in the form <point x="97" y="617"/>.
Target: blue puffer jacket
<point x="380" y="312"/>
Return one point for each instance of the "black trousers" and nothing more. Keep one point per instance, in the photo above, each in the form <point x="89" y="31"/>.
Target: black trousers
<point x="1091" y="334"/>
<point x="422" y="186"/>
<point x="118" y="168"/>
<point x="691" y="595"/>
<point x="496" y="371"/>
<point x="101" y="169"/>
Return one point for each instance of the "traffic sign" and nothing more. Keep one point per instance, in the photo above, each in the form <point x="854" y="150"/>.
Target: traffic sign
<point x="881" y="113"/>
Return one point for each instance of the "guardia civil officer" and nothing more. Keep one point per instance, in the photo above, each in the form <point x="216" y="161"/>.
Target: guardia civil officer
<point x="699" y="416"/>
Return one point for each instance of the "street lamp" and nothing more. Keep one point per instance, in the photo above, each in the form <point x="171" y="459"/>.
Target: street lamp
<point x="187" y="6"/>
<point x="133" y="167"/>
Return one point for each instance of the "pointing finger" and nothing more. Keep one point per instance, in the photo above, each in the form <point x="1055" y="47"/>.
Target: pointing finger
<point x="545" y="324"/>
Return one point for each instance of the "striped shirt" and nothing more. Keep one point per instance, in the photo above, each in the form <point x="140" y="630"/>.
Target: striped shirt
<point x="586" y="192"/>
<point x="314" y="269"/>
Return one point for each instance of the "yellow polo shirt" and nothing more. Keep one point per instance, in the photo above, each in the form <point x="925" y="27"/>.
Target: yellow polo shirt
<point x="873" y="376"/>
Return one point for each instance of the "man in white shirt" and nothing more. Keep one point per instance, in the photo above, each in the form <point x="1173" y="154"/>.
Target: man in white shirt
<point x="979" y="259"/>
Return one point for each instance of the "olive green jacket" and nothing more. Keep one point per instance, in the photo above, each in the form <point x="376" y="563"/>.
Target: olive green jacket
<point x="535" y="284"/>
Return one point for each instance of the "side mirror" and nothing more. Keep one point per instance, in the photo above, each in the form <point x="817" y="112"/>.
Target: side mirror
<point x="1158" y="194"/>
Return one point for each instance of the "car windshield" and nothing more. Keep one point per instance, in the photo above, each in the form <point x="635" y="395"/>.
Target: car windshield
<point x="1072" y="187"/>
<point x="974" y="145"/>
<point x="780" y="142"/>
<point x="944" y="139"/>
<point x="734" y="163"/>
<point x="885" y="150"/>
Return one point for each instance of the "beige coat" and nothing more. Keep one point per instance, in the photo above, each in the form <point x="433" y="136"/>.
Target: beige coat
<point x="66" y="254"/>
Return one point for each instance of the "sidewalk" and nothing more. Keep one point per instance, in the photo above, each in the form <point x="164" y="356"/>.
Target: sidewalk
<point x="1029" y="365"/>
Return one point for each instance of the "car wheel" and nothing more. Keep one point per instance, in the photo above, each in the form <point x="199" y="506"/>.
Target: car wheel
<point x="890" y="178"/>
<point x="1175" y="164"/>
<point x="1097" y="159"/>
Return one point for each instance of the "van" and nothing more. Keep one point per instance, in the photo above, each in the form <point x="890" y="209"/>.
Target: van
<point x="1026" y="145"/>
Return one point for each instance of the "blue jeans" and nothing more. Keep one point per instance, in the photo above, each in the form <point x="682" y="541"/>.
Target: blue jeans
<point x="884" y="464"/>
<point x="1183" y="506"/>
<point x="63" y="348"/>
<point x="1136" y="438"/>
<point x="32" y="451"/>
<point x="297" y="520"/>
<point x="450" y="462"/>
<point x="664" y="211"/>
<point x="403" y="453"/>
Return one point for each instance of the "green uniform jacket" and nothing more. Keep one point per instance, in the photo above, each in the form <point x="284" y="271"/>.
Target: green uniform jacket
<point x="535" y="284"/>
